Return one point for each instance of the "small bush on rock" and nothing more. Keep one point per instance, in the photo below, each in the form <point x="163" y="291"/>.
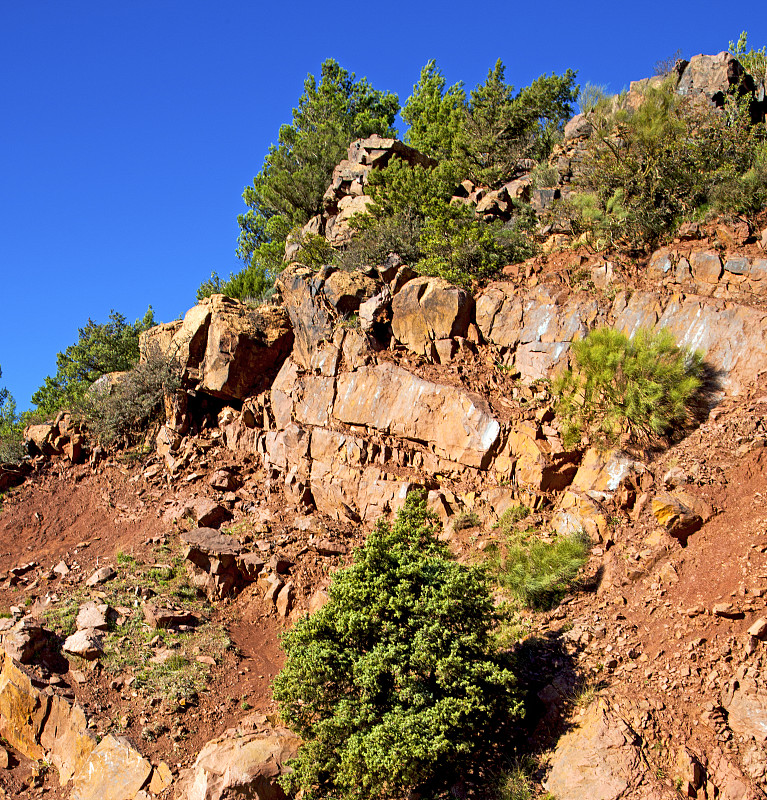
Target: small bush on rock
<point x="643" y="386"/>
<point x="395" y="684"/>
<point x="463" y="249"/>
<point x="646" y="170"/>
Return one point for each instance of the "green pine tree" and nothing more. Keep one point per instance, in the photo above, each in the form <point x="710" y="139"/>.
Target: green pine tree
<point x="297" y="170"/>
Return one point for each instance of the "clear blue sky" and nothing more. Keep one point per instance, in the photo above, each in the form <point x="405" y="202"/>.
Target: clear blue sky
<point x="130" y="129"/>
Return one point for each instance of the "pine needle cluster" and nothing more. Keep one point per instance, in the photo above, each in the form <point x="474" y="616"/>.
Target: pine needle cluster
<point x="642" y="386"/>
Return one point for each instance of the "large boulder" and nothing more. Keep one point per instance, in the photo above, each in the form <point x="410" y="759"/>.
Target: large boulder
<point x="245" y="348"/>
<point x="540" y="463"/>
<point x="41" y="437"/>
<point x="115" y="770"/>
<point x="599" y="759"/>
<point x="86" y="643"/>
<point x="240" y="765"/>
<point x="23" y="710"/>
<point x="25" y="639"/>
<point x="345" y="291"/>
<point x="66" y="738"/>
<point x="338" y="230"/>
<point x="457" y="425"/>
<point x="711" y="77"/>
<point x="428" y="309"/>
<point x="225" y="347"/>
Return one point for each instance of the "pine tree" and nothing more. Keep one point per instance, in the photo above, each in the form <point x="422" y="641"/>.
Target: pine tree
<point x="297" y="170"/>
<point x="435" y="116"/>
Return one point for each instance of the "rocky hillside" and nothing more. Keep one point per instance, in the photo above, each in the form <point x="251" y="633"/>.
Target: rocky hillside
<point x="145" y="592"/>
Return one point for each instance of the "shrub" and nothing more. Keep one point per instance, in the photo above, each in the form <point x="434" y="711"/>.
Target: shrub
<point x="465" y="520"/>
<point x="644" y="171"/>
<point x="124" y="411"/>
<point x="544" y="176"/>
<point x="515" y="782"/>
<point x="511" y="517"/>
<point x="313" y="250"/>
<point x="461" y="248"/>
<point x="252" y="283"/>
<point x="642" y="386"/>
<point x="288" y="191"/>
<point x="376" y="237"/>
<point x="753" y="61"/>
<point x="592" y="97"/>
<point x="537" y="573"/>
<point x="395" y="683"/>
<point x="501" y="126"/>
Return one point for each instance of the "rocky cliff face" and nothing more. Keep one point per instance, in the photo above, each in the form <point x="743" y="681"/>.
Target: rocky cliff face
<point x="358" y="387"/>
<point x="301" y="423"/>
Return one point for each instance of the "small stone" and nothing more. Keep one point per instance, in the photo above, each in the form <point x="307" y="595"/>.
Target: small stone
<point x="758" y="629"/>
<point x="727" y="610"/>
<point x="166" y="617"/>
<point x="161" y="657"/>
<point x="326" y="547"/>
<point x="162" y="778"/>
<point x="86" y="644"/>
<point x="674" y="477"/>
<point x="101" y="576"/>
<point x="285" y="599"/>
<point x="95" y="616"/>
<point x="61" y="569"/>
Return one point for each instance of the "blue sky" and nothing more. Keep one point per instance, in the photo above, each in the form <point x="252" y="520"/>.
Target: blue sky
<point x="130" y="129"/>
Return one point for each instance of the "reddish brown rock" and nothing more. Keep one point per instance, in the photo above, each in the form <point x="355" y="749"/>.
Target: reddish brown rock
<point x="225" y="347"/>
<point x="240" y="764"/>
<point x="214" y="562"/>
<point x="86" y="643"/>
<point x="23" y="710"/>
<point x="345" y="291"/>
<point x="164" y="617"/>
<point x="114" y="770"/>
<point x="311" y="316"/>
<point x="676" y="517"/>
<point x="427" y="309"/>
<point x="387" y="398"/>
<point x="599" y="759"/>
<point x="66" y="738"/>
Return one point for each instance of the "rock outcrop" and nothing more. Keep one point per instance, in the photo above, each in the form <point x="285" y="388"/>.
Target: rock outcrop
<point x="346" y="195"/>
<point x="601" y="759"/>
<point x="42" y="725"/>
<point x="244" y="762"/>
<point x="224" y="347"/>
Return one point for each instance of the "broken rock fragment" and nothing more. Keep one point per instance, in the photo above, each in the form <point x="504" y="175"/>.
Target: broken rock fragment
<point x="101" y="575"/>
<point x="84" y="643"/>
